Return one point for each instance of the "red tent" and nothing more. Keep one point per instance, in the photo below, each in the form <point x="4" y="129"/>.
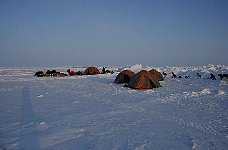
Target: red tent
<point x="124" y="77"/>
<point x="91" y="71"/>
<point x="157" y="74"/>
<point x="143" y="80"/>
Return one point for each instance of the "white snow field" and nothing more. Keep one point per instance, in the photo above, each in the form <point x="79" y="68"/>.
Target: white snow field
<point x="93" y="113"/>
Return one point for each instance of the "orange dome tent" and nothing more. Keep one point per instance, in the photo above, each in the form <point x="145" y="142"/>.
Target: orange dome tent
<point x="143" y="80"/>
<point x="157" y="74"/>
<point x="91" y="71"/>
<point x="124" y="77"/>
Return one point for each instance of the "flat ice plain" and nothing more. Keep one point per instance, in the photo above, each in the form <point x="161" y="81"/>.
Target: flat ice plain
<point x="93" y="113"/>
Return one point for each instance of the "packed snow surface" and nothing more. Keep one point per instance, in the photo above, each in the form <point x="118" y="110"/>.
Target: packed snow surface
<point x="93" y="113"/>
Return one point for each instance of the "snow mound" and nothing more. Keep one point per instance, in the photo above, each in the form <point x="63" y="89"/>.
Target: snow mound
<point x="39" y="96"/>
<point x="42" y="126"/>
<point x="221" y="92"/>
<point x="206" y="91"/>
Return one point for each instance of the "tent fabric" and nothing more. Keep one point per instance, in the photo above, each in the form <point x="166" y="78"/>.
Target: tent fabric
<point x="157" y="74"/>
<point x="124" y="77"/>
<point x="144" y="80"/>
<point x="71" y="72"/>
<point x="91" y="71"/>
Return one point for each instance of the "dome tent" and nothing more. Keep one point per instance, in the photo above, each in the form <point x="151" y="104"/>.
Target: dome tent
<point x="157" y="74"/>
<point x="143" y="80"/>
<point x="124" y="77"/>
<point x="91" y="71"/>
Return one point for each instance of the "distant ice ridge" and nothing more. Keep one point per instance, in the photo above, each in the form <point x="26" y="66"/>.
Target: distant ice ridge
<point x="191" y="71"/>
<point x="135" y="68"/>
<point x="138" y="67"/>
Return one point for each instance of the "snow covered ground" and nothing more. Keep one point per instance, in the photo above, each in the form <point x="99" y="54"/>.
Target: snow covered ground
<point x="93" y="113"/>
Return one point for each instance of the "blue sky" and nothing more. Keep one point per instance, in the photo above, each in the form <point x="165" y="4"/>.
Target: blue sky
<point x="113" y="32"/>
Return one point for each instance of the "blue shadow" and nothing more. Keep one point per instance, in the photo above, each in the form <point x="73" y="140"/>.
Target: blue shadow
<point x="29" y="136"/>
